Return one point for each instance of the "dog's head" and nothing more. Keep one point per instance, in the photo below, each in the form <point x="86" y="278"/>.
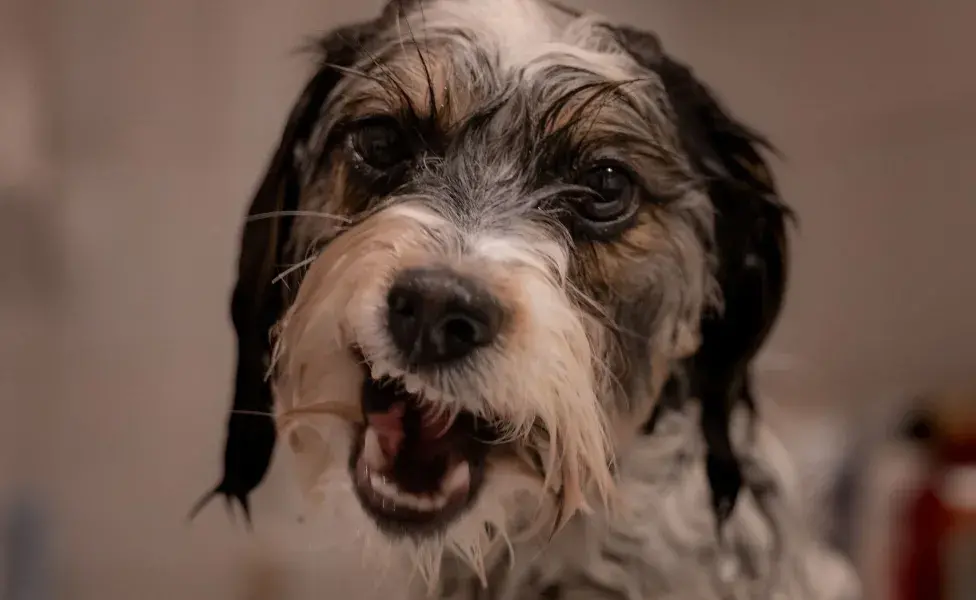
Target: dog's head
<point x="491" y="232"/>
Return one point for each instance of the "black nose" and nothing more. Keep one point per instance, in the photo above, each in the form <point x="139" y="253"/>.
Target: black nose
<point x="436" y="315"/>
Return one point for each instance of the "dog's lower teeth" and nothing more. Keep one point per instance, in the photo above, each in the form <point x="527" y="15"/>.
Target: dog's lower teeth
<point x="458" y="479"/>
<point x="391" y="496"/>
<point x="382" y="486"/>
<point x="372" y="451"/>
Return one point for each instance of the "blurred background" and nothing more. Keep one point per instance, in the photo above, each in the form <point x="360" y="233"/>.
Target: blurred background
<point x="132" y="133"/>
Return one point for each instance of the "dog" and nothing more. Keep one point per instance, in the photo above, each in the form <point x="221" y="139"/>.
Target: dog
<point x="504" y="279"/>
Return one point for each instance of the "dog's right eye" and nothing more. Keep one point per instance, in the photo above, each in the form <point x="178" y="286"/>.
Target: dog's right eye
<point x="611" y="203"/>
<point x="380" y="144"/>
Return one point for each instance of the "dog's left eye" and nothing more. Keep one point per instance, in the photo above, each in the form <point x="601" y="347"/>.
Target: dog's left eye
<point x="612" y="201"/>
<point x="380" y="144"/>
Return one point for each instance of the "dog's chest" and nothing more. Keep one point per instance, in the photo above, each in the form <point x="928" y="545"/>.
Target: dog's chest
<point x="661" y="544"/>
<point x="610" y="561"/>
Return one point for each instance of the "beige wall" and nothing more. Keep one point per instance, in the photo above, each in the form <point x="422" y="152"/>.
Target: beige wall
<point x="161" y="113"/>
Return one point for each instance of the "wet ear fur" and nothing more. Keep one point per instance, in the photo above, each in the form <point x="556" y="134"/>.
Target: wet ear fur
<point x="751" y="247"/>
<point x="258" y="301"/>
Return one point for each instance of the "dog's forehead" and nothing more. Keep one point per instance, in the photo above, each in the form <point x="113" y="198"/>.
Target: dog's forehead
<point x="471" y="50"/>
<point x="517" y="33"/>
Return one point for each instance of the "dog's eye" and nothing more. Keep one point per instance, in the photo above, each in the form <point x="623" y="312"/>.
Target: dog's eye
<point x="612" y="189"/>
<point x="611" y="202"/>
<point x="380" y="144"/>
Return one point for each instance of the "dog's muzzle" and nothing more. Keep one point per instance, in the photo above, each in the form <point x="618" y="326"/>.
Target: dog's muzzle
<point x="418" y="464"/>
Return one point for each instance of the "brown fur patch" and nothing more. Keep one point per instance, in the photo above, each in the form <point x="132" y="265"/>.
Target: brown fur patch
<point x="506" y="285"/>
<point x="329" y="193"/>
<point x="607" y="266"/>
<point x="626" y="425"/>
<point x="328" y="204"/>
<point x="403" y="86"/>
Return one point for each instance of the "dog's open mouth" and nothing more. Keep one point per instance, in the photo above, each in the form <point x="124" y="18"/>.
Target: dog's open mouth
<point x="415" y="467"/>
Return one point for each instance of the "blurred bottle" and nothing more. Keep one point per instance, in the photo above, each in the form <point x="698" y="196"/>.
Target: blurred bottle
<point x="24" y="551"/>
<point x="936" y="534"/>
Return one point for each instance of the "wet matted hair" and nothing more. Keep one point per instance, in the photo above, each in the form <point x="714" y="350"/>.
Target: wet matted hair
<point x="506" y="275"/>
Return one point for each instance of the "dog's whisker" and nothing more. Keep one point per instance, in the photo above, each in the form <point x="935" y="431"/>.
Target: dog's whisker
<point x="351" y="414"/>
<point x="253" y="413"/>
<point x="296" y="213"/>
<point x="353" y="72"/>
<point x="281" y="276"/>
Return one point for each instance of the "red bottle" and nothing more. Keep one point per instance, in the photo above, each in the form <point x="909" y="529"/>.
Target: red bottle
<point x="937" y="531"/>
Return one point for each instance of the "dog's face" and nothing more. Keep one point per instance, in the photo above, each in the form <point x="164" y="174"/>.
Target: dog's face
<point x="502" y="246"/>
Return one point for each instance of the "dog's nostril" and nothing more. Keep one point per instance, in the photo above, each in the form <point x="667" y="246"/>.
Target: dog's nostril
<point x="436" y="315"/>
<point x="462" y="333"/>
<point x="462" y="330"/>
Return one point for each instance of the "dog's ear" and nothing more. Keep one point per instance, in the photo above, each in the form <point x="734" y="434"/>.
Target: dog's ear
<point x="258" y="302"/>
<point x="750" y="245"/>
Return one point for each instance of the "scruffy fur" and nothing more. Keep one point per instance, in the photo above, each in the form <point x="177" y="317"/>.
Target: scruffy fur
<point x="619" y="383"/>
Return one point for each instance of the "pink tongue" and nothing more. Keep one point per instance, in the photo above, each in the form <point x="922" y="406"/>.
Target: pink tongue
<point x="389" y="428"/>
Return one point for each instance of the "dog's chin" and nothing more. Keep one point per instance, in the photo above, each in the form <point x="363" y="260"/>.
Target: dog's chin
<point x="416" y="469"/>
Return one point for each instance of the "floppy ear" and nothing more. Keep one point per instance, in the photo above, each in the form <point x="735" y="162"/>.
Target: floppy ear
<point x="751" y="247"/>
<point x="258" y="302"/>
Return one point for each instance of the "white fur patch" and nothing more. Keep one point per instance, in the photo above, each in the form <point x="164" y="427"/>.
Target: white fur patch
<point x="523" y="33"/>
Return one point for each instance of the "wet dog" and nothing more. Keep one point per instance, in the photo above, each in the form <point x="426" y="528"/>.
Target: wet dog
<point x="505" y="276"/>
